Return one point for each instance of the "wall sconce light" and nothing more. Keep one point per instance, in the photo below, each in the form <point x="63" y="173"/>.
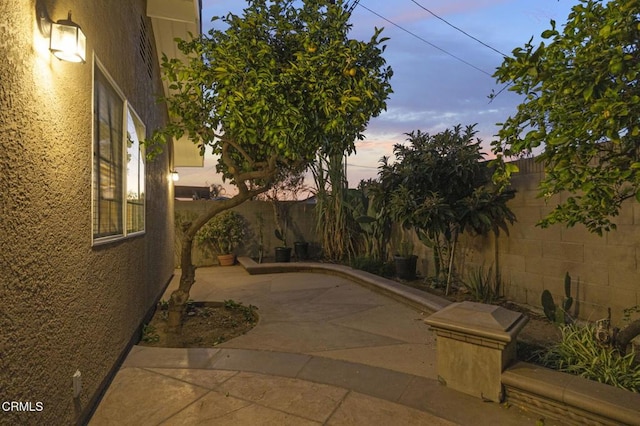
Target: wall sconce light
<point x="175" y="176"/>
<point x="67" y="42"/>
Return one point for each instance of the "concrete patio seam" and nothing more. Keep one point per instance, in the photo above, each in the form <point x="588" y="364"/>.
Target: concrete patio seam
<point x="366" y="332"/>
<point x="337" y="407"/>
<point x="155" y="371"/>
<point x="185" y="407"/>
<point x="252" y="402"/>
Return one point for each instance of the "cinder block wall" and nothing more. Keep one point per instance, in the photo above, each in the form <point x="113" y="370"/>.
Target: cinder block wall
<point x="301" y="227"/>
<point x="604" y="270"/>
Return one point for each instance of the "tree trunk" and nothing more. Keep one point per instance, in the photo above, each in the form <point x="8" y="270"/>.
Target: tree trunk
<point x="437" y="261"/>
<point x="180" y="296"/>
<point x="451" y="257"/>
<point x="626" y="335"/>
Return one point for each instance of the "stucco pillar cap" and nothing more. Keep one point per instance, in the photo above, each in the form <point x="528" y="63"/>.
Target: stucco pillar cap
<point x="477" y="319"/>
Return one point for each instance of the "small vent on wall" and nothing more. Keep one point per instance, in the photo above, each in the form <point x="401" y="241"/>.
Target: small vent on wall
<point x="145" y="48"/>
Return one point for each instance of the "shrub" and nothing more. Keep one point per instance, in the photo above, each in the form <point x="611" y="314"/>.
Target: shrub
<point x="149" y="334"/>
<point x="483" y="286"/>
<point x="581" y="354"/>
<point x="378" y="267"/>
<point x="223" y="232"/>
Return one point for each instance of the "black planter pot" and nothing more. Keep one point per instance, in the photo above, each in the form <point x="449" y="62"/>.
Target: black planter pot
<point x="301" y="249"/>
<point x="283" y="254"/>
<point x="406" y="267"/>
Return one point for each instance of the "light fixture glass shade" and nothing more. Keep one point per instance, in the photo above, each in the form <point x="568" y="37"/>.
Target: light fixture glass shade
<point x="175" y="176"/>
<point x="68" y="42"/>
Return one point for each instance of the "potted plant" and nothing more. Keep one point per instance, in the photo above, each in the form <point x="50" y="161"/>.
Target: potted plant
<point x="283" y="252"/>
<point x="281" y="194"/>
<point x="405" y="261"/>
<point x="281" y="222"/>
<point x="403" y="210"/>
<point x="223" y="233"/>
<point x="301" y="249"/>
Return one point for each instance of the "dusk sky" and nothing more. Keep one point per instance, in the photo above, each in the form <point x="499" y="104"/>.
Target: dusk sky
<point x="432" y="90"/>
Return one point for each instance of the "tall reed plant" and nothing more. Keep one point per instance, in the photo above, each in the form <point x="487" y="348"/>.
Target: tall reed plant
<point x="335" y="223"/>
<point x="483" y="285"/>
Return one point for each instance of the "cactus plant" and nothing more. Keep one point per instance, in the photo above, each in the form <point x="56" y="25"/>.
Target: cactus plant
<point x="568" y="301"/>
<point x="548" y="305"/>
<point x="555" y="313"/>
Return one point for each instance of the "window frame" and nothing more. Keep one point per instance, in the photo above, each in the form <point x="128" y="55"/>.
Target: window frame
<point x="141" y="180"/>
<point x="127" y="113"/>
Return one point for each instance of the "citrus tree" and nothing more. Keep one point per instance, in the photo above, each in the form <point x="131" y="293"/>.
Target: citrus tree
<point x="265" y="91"/>
<point x="581" y="111"/>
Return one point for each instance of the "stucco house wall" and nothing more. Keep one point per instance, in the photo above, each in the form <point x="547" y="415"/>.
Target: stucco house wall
<point x="68" y="304"/>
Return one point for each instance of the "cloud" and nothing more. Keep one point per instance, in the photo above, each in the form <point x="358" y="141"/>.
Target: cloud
<point x="403" y="115"/>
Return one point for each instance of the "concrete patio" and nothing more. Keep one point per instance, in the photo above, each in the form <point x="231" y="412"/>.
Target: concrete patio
<point x="325" y="351"/>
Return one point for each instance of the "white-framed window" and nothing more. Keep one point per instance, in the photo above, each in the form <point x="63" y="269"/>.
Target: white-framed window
<point x="118" y="163"/>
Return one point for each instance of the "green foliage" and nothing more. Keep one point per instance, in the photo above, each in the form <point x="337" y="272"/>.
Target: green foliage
<point x="435" y="282"/>
<point x="223" y="232"/>
<point x="554" y="313"/>
<point x="149" y="334"/>
<point x="628" y="313"/>
<point x="266" y="92"/>
<point x="581" y="354"/>
<point x="406" y="248"/>
<point x="335" y="211"/>
<point x="375" y="266"/>
<point x="281" y="235"/>
<point x="163" y="306"/>
<point x="581" y="109"/>
<point x="548" y="305"/>
<point x="271" y="88"/>
<point x="483" y="285"/>
<point x="441" y="187"/>
<point x="249" y="312"/>
<point x="568" y="300"/>
<point x="372" y="216"/>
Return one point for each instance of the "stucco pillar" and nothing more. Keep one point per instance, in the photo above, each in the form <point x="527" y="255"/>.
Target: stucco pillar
<point x="475" y="343"/>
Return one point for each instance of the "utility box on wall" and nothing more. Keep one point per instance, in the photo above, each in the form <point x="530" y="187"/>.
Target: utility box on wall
<point x="475" y="343"/>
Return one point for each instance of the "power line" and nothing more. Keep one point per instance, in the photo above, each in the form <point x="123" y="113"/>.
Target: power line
<point x="362" y="167"/>
<point x="493" y="95"/>
<point x="426" y="41"/>
<point x="353" y="6"/>
<point x="458" y="29"/>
